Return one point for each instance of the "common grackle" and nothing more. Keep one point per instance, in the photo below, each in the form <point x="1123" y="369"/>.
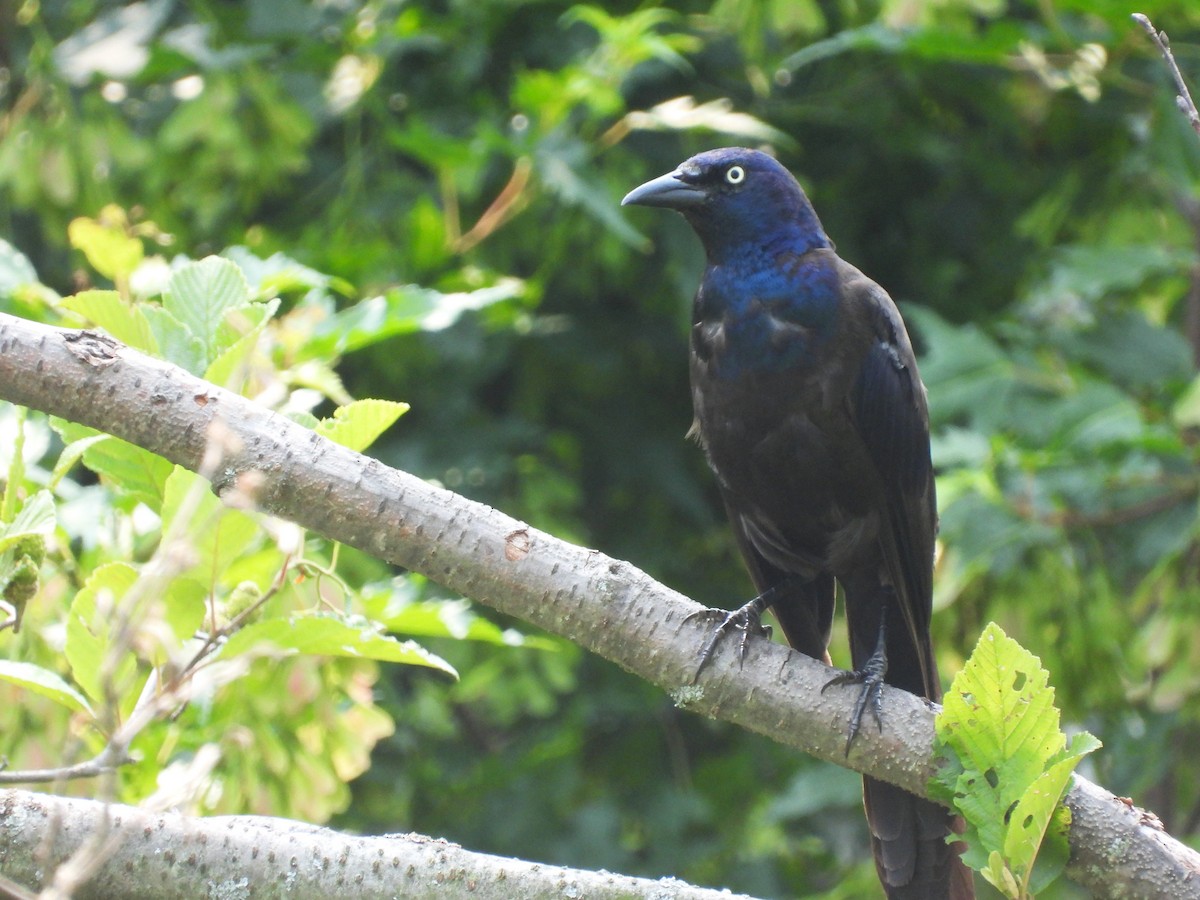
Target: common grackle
<point x="813" y="418"/>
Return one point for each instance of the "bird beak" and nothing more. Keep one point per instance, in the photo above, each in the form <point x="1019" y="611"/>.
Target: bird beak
<point x="668" y="190"/>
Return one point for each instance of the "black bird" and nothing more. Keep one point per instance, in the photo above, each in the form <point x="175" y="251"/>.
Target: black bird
<point x="813" y="418"/>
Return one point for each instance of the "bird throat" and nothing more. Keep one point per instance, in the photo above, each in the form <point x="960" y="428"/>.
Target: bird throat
<point x="765" y="318"/>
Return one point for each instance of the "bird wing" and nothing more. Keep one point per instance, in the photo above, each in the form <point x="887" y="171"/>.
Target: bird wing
<point x="889" y="412"/>
<point x="803" y="607"/>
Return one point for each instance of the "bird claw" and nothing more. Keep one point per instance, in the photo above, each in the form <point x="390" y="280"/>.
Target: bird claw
<point x="870" y="676"/>
<point x="871" y="679"/>
<point x="747" y="620"/>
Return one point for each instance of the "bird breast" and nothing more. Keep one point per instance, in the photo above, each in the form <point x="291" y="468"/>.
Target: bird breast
<point x="780" y="443"/>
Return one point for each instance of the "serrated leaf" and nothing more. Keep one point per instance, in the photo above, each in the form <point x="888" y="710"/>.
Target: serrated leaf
<point x="1000" y="710"/>
<point x="1087" y="272"/>
<point x="126" y="468"/>
<point x="176" y="343"/>
<point x="1006" y="761"/>
<point x="328" y="635"/>
<point x="200" y="294"/>
<point x="122" y="320"/>
<point x="44" y="682"/>
<point x="1095" y="415"/>
<point x="235" y="351"/>
<point x="1031" y="816"/>
<point x="358" y="424"/>
<point x="35" y="517"/>
<point x="89" y="636"/>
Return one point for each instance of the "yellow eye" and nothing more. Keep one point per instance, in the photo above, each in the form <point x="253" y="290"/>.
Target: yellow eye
<point x="735" y="175"/>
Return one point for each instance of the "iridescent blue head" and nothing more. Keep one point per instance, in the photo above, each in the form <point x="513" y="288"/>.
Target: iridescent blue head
<point x="734" y="197"/>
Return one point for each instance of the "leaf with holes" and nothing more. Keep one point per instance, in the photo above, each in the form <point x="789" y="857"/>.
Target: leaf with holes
<point x="356" y="425"/>
<point x="1005" y="760"/>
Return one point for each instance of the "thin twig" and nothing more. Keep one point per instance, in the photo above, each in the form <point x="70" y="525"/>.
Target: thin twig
<point x="213" y="638"/>
<point x="111" y="757"/>
<point x="1183" y="98"/>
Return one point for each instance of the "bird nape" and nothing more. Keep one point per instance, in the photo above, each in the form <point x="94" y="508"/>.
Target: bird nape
<point x="813" y="418"/>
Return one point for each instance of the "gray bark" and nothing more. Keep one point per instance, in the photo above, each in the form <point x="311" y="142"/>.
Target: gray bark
<point x="164" y="856"/>
<point x="603" y="604"/>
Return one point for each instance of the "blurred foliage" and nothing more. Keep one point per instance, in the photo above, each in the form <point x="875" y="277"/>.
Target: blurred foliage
<point x="1016" y="175"/>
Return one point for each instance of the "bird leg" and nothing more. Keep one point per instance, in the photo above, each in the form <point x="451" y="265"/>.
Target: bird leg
<point x="747" y="619"/>
<point x="870" y="676"/>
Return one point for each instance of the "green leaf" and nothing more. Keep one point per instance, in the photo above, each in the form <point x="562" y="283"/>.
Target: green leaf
<point x="402" y="310"/>
<point x="200" y="294"/>
<point x="358" y="424"/>
<point x="1006" y="761"/>
<point x="89" y="636"/>
<point x="16" y="271"/>
<point x="1000" y="876"/>
<point x="1086" y="272"/>
<point x="320" y="634"/>
<point x="561" y="177"/>
<point x="44" y="682"/>
<point x="217" y="534"/>
<point x="109" y="250"/>
<point x="15" y="476"/>
<point x="1124" y="345"/>
<point x="175" y="342"/>
<point x="23" y="546"/>
<point x="36" y="517"/>
<point x="1093" y="416"/>
<point x="868" y="37"/>
<point x="964" y="369"/>
<point x="445" y="618"/>
<point x="1186" y="413"/>
<point x="122" y="320"/>
<point x="280" y="274"/>
<point x="186" y="602"/>
<point x="237" y="348"/>
<point x="128" y="469"/>
<point x="322" y="377"/>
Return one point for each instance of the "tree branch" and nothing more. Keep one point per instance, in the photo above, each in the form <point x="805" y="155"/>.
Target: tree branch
<point x="164" y="856"/>
<point x="605" y="605"/>
<point x="1186" y="204"/>
<point x="1183" y="97"/>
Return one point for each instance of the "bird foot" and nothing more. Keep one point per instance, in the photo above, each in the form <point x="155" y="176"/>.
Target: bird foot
<point x="747" y="620"/>
<point x="870" y="676"/>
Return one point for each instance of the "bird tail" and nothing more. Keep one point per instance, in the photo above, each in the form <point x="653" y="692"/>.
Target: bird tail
<point x="908" y="839"/>
<point x="908" y="833"/>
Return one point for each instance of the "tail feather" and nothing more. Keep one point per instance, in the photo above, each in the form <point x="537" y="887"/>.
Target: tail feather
<point x="908" y="839"/>
<point x="908" y="833"/>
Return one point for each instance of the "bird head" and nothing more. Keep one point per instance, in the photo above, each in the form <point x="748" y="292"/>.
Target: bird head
<point x="733" y="197"/>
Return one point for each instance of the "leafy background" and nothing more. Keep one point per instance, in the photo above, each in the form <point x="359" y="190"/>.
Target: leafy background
<point x="432" y="190"/>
